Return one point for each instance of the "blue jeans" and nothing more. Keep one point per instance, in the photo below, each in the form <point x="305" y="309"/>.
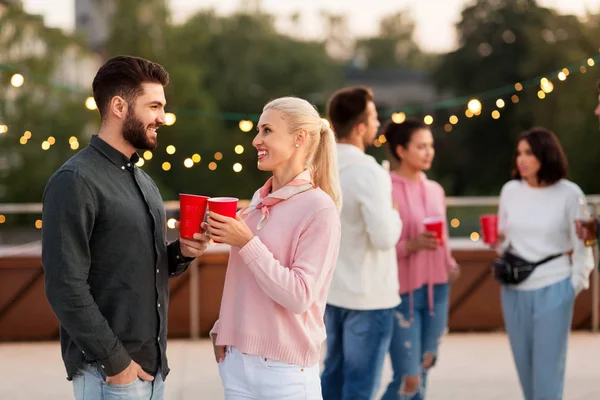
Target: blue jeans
<point x="538" y="323"/>
<point x="357" y="341"/>
<point x="412" y="340"/>
<point x="89" y="383"/>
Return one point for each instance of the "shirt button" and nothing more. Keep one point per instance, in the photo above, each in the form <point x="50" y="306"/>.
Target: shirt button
<point x="129" y="164"/>
<point x="157" y="271"/>
<point x="102" y="366"/>
<point x="158" y="305"/>
<point x="123" y="167"/>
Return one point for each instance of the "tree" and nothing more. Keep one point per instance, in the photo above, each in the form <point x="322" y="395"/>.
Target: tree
<point x="500" y="44"/>
<point x="394" y="45"/>
<point x="39" y="109"/>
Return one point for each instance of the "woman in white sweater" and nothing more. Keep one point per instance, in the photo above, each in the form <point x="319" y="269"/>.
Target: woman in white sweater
<point x="537" y="217"/>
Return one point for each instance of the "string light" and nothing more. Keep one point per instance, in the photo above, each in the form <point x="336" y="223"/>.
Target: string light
<point x="448" y="128"/>
<point x="166" y="166"/>
<point x="500" y="103"/>
<point x="17" y="80"/>
<point x="218" y="156"/>
<point x="2" y="219"/>
<point x="3" y="129"/>
<point x="474" y="236"/>
<point x="239" y="149"/>
<point x="455" y="223"/>
<point x="518" y="87"/>
<point x="38" y="224"/>
<point x="541" y="94"/>
<point x="468" y="113"/>
<point x="495" y="114"/>
<point x="170" y="119"/>
<point x="583" y="69"/>
<point x="23" y="140"/>
<point x="246" y="125"/>
<point x="212" y="165"/>
<point x="377" y="143"/>
<point x="45" y="145"/>
<point x="565" y="71"/>
<point x="562" y="76"/>
<point x="428" y="119"/>
<point x="72" y="139"/>
<point x="196" y="158"/>
<point x="591" y="62"/>
<point x="453" y="119"/>
<point x="147" y="155"/>
<point x="140" y="163"/>
<point x="171" y="223"/>
<point x="171" y="149"/>
<point x="90" y="104"/>
<point x="382" y="139"/>
<point x="474" y="106"/>
<point x="546" y="85"/>
<point x="51" y="140"/>
<point x="27" y="135"/>
<point x="399" y="117"/>
<point x="514" y="98"/>
<point x="188" y="163"/>
<point x="237" y="167"/>
<point x="74" y="145"/>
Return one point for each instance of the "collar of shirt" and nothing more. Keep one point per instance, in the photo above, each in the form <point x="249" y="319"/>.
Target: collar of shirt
<point x="114" y="155"/>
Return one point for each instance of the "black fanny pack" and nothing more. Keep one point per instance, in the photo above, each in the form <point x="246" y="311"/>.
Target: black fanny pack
<point x="510" y="269"/>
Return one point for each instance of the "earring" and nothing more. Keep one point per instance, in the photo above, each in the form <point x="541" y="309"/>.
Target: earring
<point x="297" y="145"/>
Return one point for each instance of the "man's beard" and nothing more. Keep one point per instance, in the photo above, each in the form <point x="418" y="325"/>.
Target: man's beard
<point x="135" y="133"/>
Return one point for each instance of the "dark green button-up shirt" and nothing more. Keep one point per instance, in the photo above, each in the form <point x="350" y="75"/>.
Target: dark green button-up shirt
<point x="107" y="262"/>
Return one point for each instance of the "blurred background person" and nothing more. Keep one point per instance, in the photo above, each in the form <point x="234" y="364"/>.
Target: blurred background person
<point x="364" y="289"/>
<point x="537" y="215"/>
<point x="425" y="265"/>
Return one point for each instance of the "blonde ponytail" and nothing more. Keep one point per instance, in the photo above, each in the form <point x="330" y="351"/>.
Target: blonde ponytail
<point x="324" y="165"/>
<point x="322" y="153"/>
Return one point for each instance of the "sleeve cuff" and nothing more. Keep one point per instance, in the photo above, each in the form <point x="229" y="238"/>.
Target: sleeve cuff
<point x="116" y="362"/>
<point x="401" y="249"/>
<point x="252" y="250"/>
<point x="181" y="259"/>
<point x="214" y="331"/>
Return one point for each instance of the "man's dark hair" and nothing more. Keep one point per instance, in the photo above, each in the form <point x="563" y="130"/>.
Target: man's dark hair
<point x="123" y="76"/>
<point x="547" y="149"/>
<point x="347" y="108"/>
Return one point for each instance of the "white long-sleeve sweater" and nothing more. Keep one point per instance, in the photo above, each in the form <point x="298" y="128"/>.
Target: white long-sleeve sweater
<point x="539" y="222"/>
<point x="366" y="274"/>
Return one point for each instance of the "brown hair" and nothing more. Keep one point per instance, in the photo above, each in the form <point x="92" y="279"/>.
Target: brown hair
<point x="401" y="134"/>
<point x="547" y="149"/>
<point x="123" y="76"/>
<point x="347" y="108"/>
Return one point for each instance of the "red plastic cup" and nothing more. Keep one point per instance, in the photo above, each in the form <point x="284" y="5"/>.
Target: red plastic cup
<point x="192" y="209"/>
<point x="435" y="225"/>
<point x="489" y="228"/>
<point x="226" y="206"/>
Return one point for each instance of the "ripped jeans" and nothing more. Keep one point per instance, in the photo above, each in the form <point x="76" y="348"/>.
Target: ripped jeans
<point x="412" y="340"/>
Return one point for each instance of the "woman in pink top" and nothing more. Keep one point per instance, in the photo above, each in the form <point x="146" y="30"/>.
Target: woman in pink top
<point x="284" y="247"/>
<point x="424" y="266"/>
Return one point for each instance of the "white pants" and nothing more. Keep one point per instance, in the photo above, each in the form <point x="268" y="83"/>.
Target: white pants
<point x="246" y="376"/>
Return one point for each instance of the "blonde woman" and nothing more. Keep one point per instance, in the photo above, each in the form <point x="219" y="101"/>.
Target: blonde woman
<point x="284" y="247"/>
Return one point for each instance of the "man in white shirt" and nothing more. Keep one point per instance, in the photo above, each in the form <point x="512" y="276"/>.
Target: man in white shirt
<point x="364" y="291"/>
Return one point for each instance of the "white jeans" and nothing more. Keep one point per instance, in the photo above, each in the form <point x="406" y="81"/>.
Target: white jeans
<point x="246" y="376"/>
